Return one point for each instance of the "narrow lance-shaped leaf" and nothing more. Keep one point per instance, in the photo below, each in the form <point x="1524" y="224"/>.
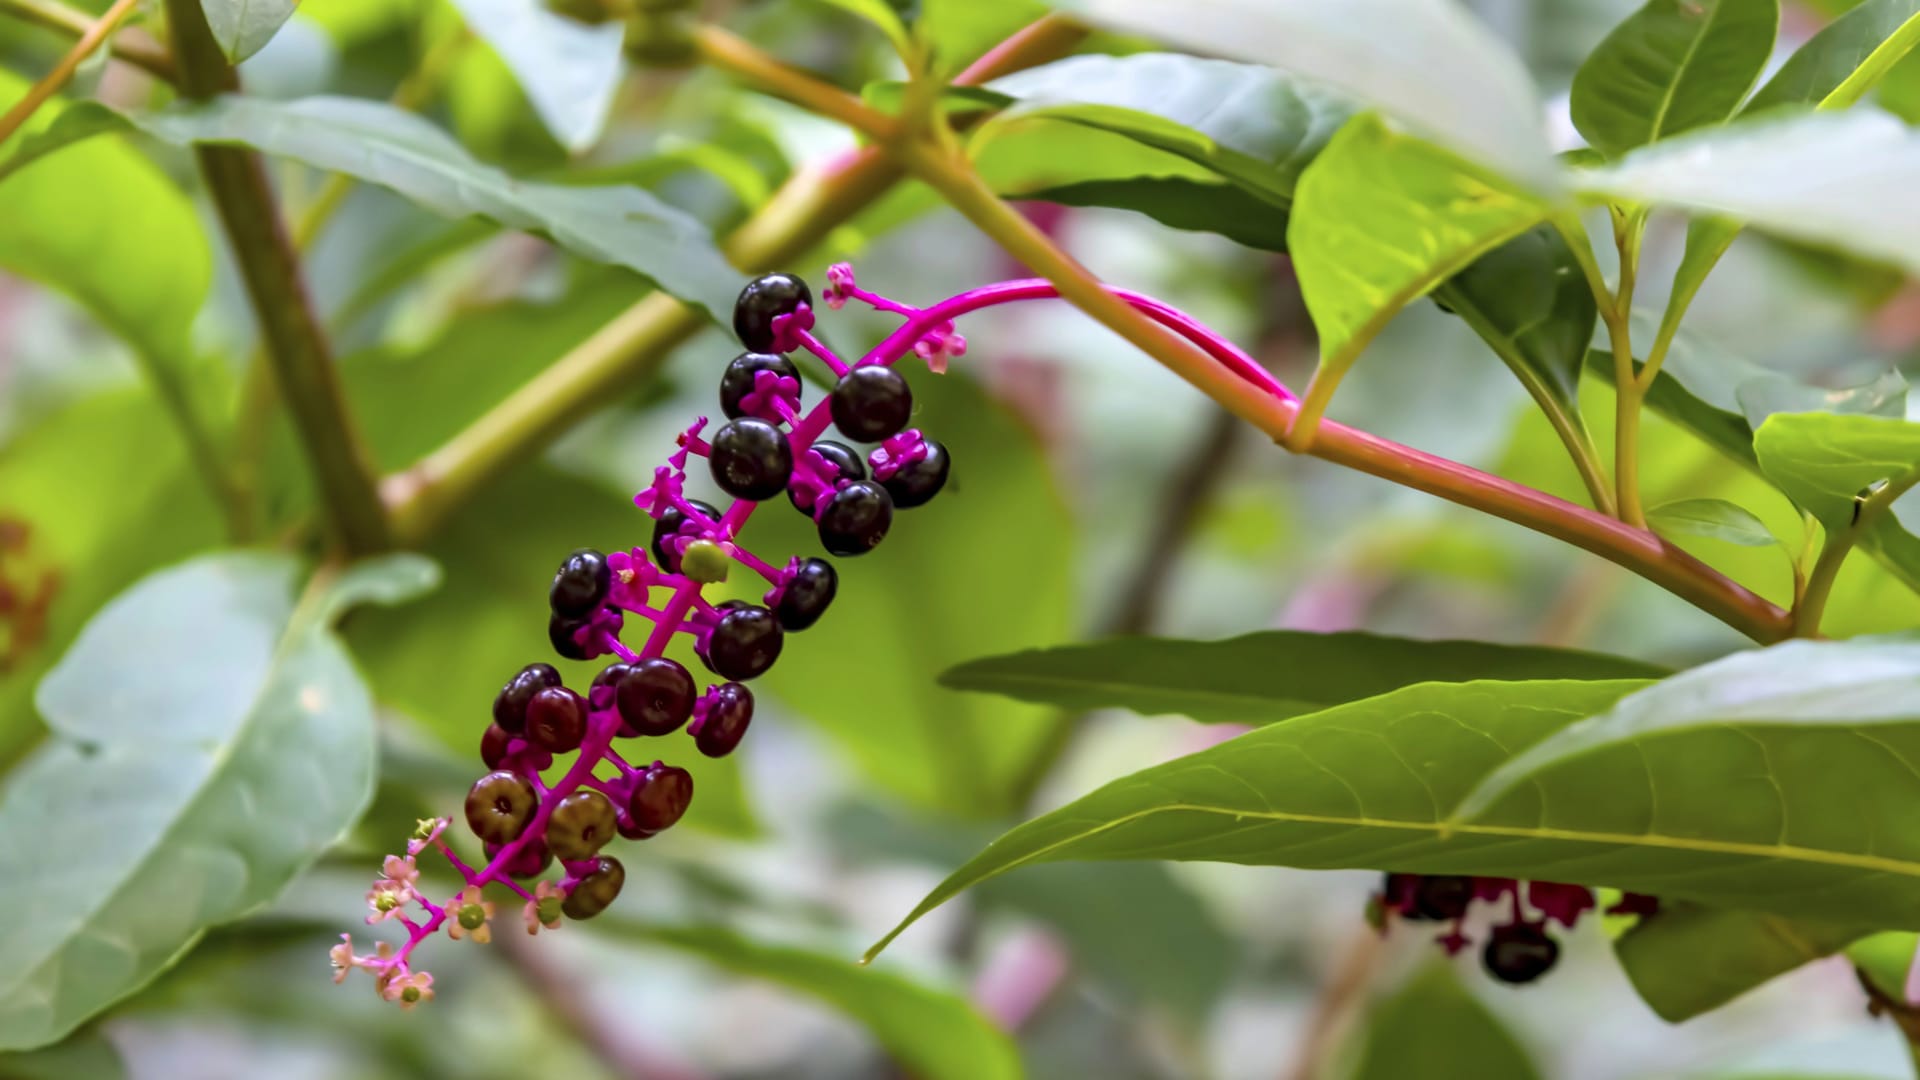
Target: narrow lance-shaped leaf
<point x="1689" y="959"/>
<point x="211" y="739"/>
<point x="1715" y="519"/>
<point x="243" y="27"/>
<point x="1267" y="676"/>
<point x="1845" y="59"/>
<point x="1672" y="66"/>
<point x="390" y="147"/>
<point x="568" y="69"/>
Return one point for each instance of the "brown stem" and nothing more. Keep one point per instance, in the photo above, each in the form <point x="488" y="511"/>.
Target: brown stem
<point x="131" y="46"/>
<point x="38" y="94"/>
<point x="296" y="346"/>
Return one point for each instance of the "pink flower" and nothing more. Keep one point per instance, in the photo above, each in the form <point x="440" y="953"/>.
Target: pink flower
<point x="426" y="832"/>
<point x="401" y="870"/>
<point x="544" y="908"/>
<point x="343" y="959"/>
<point x="409" y="990"/>
<point x="941" y="344"/>
<point x="840" y="285"/>
<point x="468" y="915"/>
<point x="387" y="900"/>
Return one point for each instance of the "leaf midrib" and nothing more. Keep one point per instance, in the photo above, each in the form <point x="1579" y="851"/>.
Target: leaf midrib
<point x="1115" y="689"/>
<point x="1680" y="74"/>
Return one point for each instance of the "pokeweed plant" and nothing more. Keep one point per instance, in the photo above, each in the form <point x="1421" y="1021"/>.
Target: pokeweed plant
<point x="1394" y="150"/>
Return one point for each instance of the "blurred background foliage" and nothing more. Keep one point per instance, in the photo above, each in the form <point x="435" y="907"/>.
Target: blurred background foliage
<point x="1093" y="491"/>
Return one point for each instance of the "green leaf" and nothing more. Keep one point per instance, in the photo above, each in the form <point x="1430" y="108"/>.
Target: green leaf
<point x="962" y="31"/>
<point x="1886" y="959"/>
<point x="383" y="145"/>
<point x="499" y="559"/>
<point x="1266" y="676"/>
<point x="1179" y="203"/>
<point x="1688" y="959"/>
<point x="1380" y="219"/>
<point x="1853" y="51"/>
<point x="1672" y="66"/>
<point x="1716" y="519"/>
<point x="1822" y="460"/>
<point x="975" y="585"/>
<point x="76" y="123"/>
<point x="222" y="732"/>
<point x="1368" y="784"/>
<point x="1435" y="1029"/>
<point x="1839" y="179"/>
<point x="1425" y="62"/>
<point x="243" y="27"/>
<point x="1255" y="127"/>
<point x="568" y="69"/>
<point x="931" y="1033"/>
<point x="85" y="1056"/>
<point x="881" y="15"/>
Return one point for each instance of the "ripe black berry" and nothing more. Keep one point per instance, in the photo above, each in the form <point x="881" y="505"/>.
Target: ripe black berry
<point x="761" y="301"/>
<point x="592" y="894"/>
<point x="751" y="459"/>
<point x="556" y="720"/>
<point x="580" y="825"/>
<point x="510" y="707"/>
<point x="729" y="711"/>
<point x="654" y="697"/>
<point x="531" y="860"/>
<point x="807" y="595"/>
<point x="737" y="381"/>
<point x="871" y="403"/>
<point x="493" y="745"/>
<point x="745" y="643"/>
<point x="669" y="526"/>
<point x="661" y="795"/>
<point x="564" y="633"/>
<point x="499" y="805"/>
<point x="846" y="464"/>
<point x="1443" y="897"/>
<point x="1519" y="953"/>
<point x="856" y="519"/>
<point x="580" y="585"/>
<point x="918" y="483"/>
<point x="600" y="694"/>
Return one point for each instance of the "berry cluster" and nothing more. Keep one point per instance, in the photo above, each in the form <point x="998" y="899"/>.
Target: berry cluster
<point x="1518" y="950"/>
<point x="765" y="449"/>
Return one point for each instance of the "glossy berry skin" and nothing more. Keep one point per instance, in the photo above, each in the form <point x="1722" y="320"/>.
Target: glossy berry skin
<point x="660" y="796"/>
<point x="736" y="381"/>
<point x="580" y="585"/>
<point x="847" y="465"/>
<point x="563" y="633"/>
<point x="669" y="526"/>
<point x="531" y="860"/>
<point x="745" y="643"/>
<point x="494" y="743"/>
<point x="499" y="806"/>
<point x="1519" y="953"/>
<point x="751" y="459"/>
<point x="764" y="299"/>
<point x="556" y="720"/>
<point x="1443" y="897"/>
<point x="728" y="715"/>
<point x="510" y="707"/>
<point x="592" y="894"/>
<point x="871" y="403"/>
<point x="600" y="694"/>
<point x="580" y="825"/>
<point x="855" y="520"/>
<point x="654" y="696"/>
<point x="918" y="483"/>
<point x="807" y="595"/>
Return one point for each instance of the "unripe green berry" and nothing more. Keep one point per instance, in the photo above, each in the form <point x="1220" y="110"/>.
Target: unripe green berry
<point x="472" y="916"/>
<point x="705" y="561"/>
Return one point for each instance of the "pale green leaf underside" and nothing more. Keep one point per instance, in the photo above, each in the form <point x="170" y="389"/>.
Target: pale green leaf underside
<point x="1690" y="960"/>
<point x="1853" y="50"/>
<point x="1267" y="676"/>
<point x="243" y="27"/>
<point x="1715" y="519"/>
<point x="210" y="742"/>
<point x="1671" y="66"/>
<point x="1822" y="461"/>
<point x="568" y="69"/>
<point x="377" y="143"/>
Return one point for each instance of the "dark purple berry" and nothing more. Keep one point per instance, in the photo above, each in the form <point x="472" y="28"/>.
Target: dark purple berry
<point x="751" y="459"/>
<point x="494" y="743"/>
<point x="564" y="634"/>
<point x="669" y="526"/>
<point x="510" y="707"/>
<point x="763" y="300"/>
<point x="556" y="720"/>
<point x="871" y="403"/>
<point x="580" y="825"/>
<point x="499" y="806"/>
<point x="661" y="794"/>
<point x="737" y="381"/>
<point x="531" y="860"/>
<point x="1443" y="897"/>
<point x="592" y="894"/>
<point x="1519" y="953"/>
<point x="580" y="585"/>
<point x="918" y="483"/>
<point x="846" y="464"/>
<point x="807" y="595"/>
<point x="601" y="694"/>
<point x="745" y="643"/>
<point x="729" y="711"/>
<point x="855" y="520"/>
<point x="654" y="697"/>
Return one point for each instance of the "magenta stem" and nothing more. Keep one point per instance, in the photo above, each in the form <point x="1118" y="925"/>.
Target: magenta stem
<point x="816" y="347"/>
